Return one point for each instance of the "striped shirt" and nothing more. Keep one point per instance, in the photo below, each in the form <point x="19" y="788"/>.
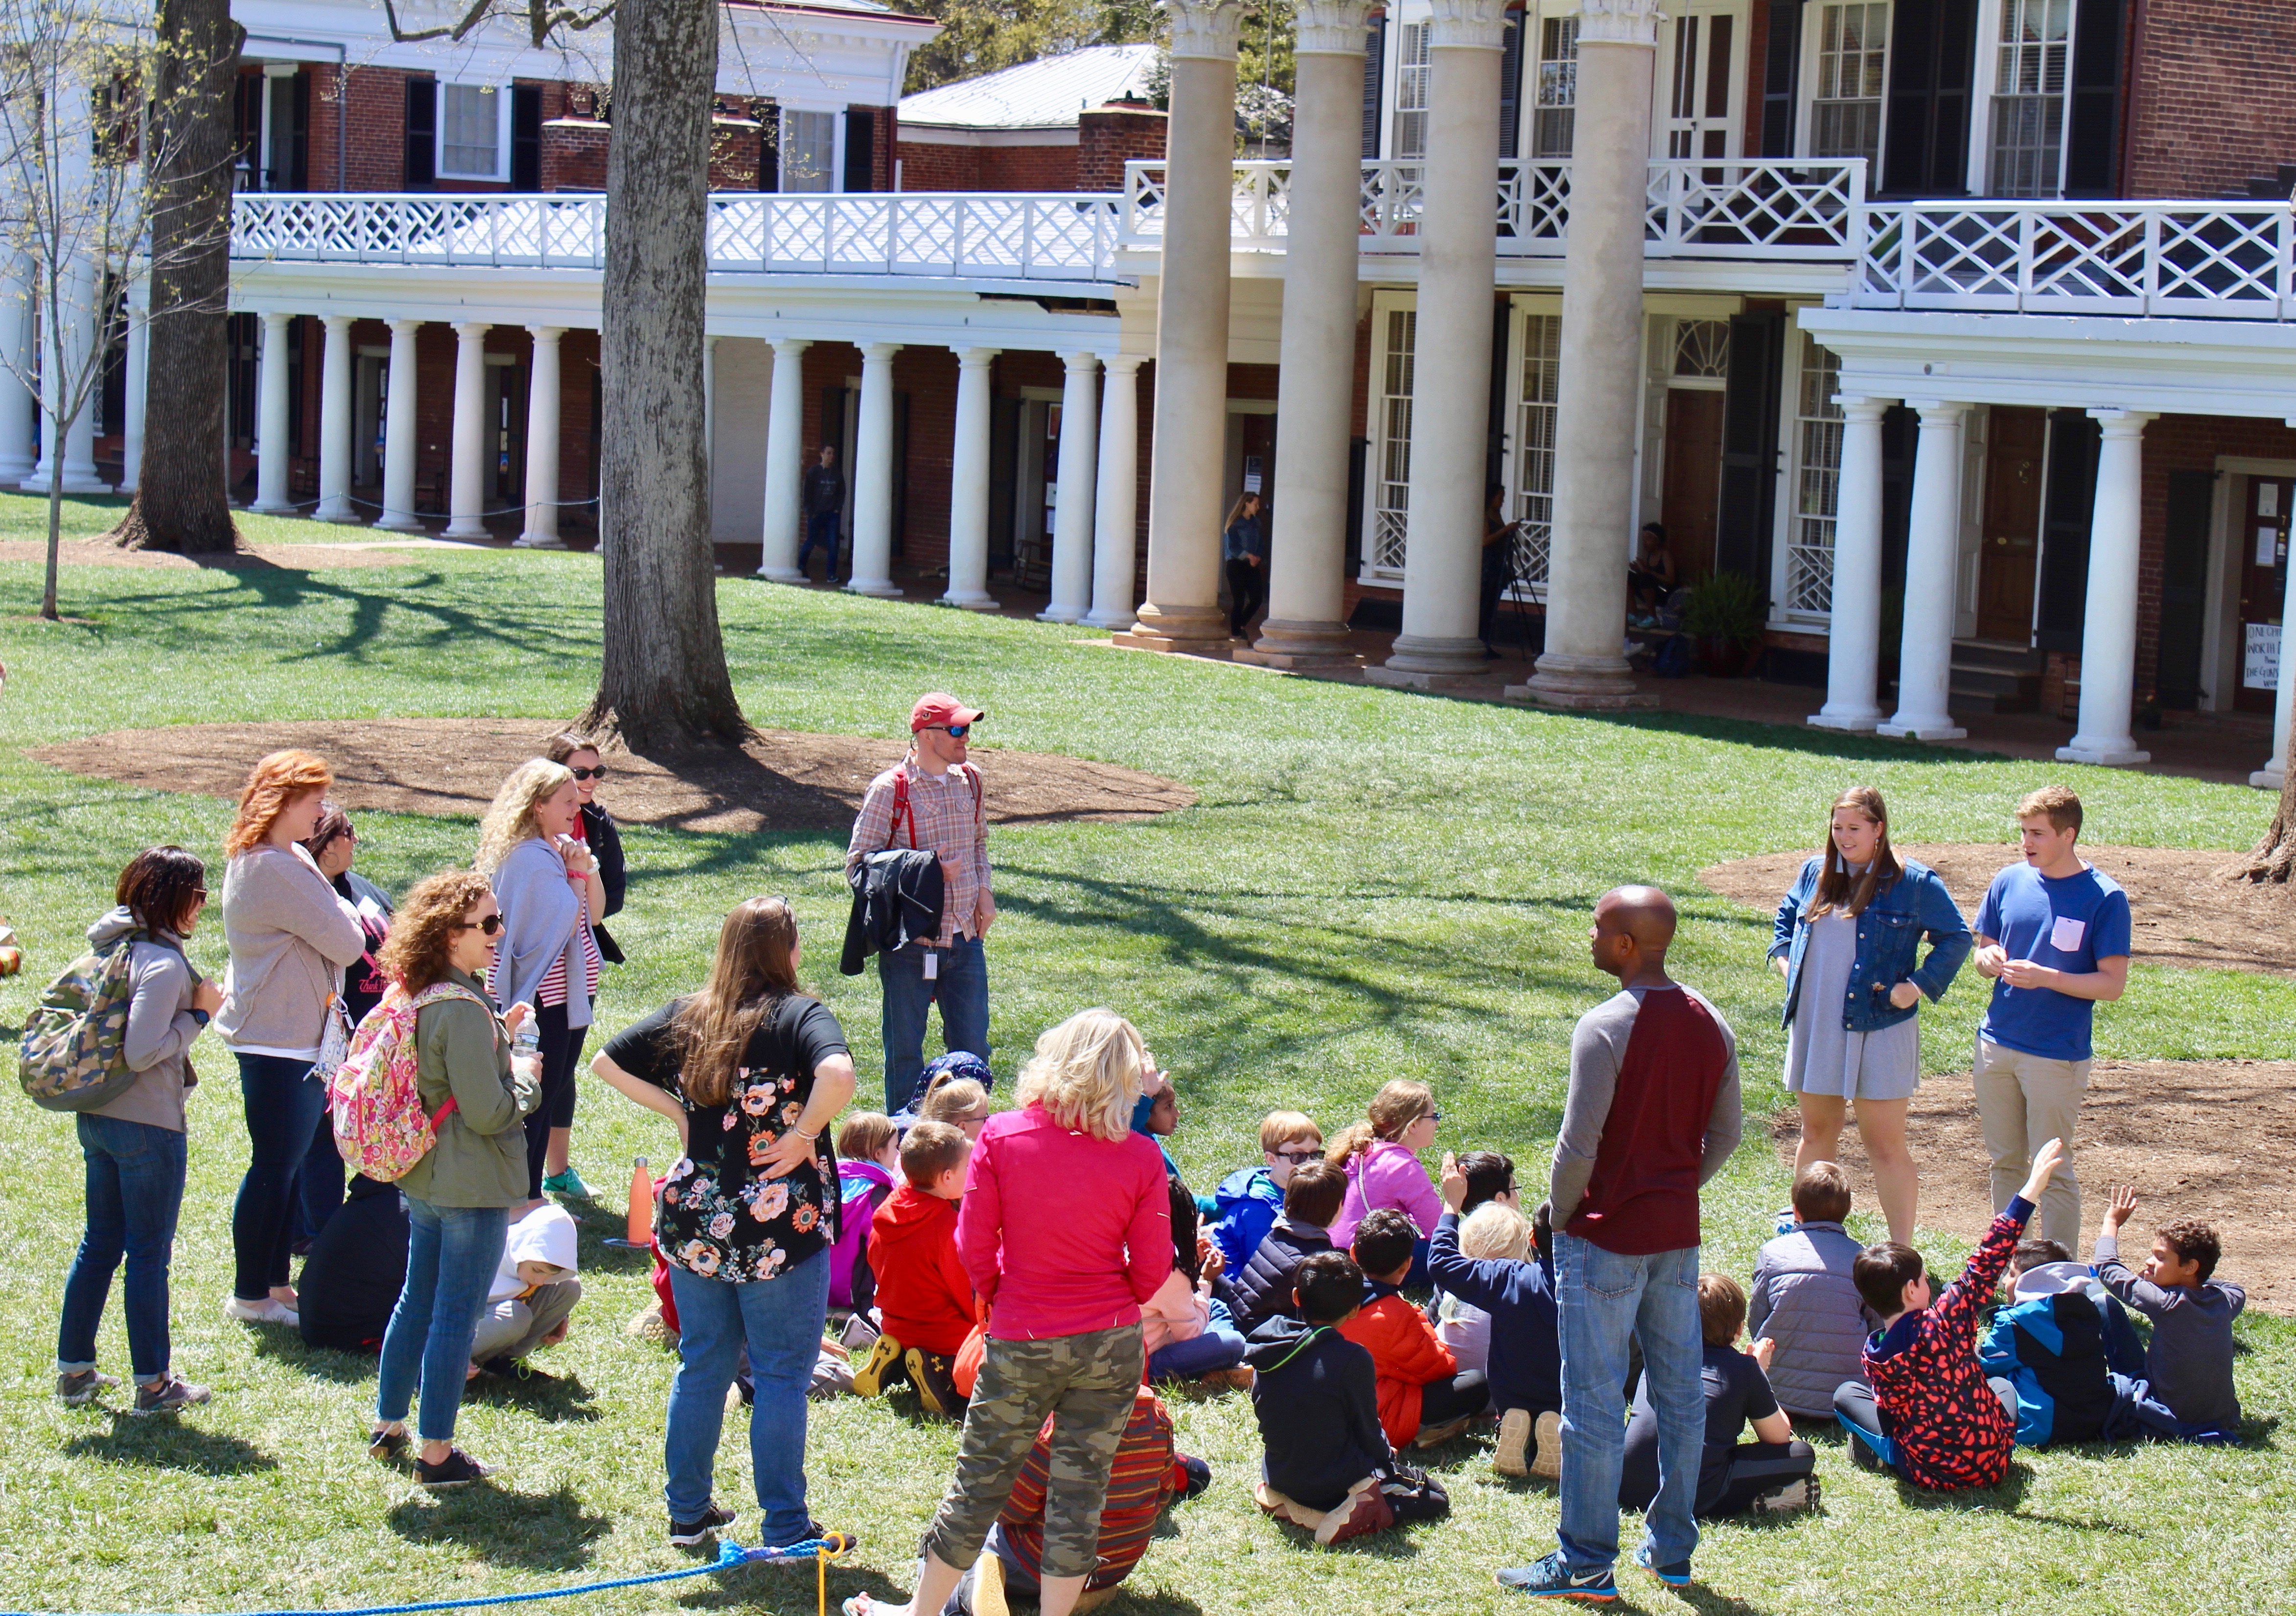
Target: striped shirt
<point x="553" y="990"/>
<point x="1145" y="1476"/>
<point x="945" y="814"/>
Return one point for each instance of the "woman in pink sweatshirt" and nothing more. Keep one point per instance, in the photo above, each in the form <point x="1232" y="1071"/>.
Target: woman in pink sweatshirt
<point x="1381" y="1158"/>
<point x="1066" y="1229"/>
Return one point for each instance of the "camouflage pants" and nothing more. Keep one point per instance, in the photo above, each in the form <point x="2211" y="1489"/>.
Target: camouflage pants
<point x="1087" y="1383"/>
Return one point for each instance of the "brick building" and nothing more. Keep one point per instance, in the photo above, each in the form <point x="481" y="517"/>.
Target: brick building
<point x="1064" y="123"/>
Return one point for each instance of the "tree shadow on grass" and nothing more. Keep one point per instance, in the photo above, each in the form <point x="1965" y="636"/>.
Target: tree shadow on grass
<point x="557" y="1399"/>
<point x="169" y="1443"/>
<point x="535" y="1531"/>
<point x="285" y="1348"/>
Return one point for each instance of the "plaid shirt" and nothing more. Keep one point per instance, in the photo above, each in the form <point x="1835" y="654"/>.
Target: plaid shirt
<point x="946" y="814"/>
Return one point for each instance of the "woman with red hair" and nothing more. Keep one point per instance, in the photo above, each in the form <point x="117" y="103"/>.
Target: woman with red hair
<point x="290" y="935"/>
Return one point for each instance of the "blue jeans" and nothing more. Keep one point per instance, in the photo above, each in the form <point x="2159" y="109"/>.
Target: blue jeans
<point x="780" y="1321"/>
<point x="962" y="991"/>
<point x="1605" y="1297"/>
<point x="820" y="529"/>
<point x="281" y="1102"/>
<point x="1219" y="1347"/>
<point x="135" y="1190"/>
<point x="452" y="1253"/>
<point x="322" y="1189"/>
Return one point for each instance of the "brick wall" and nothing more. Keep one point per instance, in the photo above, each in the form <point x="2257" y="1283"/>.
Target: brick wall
<point x="2214" y="96"/>
<point x="928" y="375"/>
<point x="574" y="156"/>
<point x="1108" y="137"/>
<point x="933" y="166"/>
<point x="376" y="149"/>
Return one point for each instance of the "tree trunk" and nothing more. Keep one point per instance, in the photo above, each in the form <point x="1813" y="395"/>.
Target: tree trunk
<point x="662" y="684"/>
<point x="2274" y="858"/>
<point x="182" y="501"/>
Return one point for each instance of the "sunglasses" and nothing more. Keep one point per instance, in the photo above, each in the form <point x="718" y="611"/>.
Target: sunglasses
<point x="492" y="926"/>
<point x="598" y="773"/>
<point x="955" y="731"/>
<point x="1434" y="1116"/>
<point x="1298" y="1158"/>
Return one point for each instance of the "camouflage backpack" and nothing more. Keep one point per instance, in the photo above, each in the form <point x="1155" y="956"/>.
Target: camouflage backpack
<point x="74" y="1050"/>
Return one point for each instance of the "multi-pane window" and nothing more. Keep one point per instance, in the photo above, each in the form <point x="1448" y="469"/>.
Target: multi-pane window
<point x="2029" y="97"/>
<point x="1845" y="112"/>
<point x="470" y="131"/>
<point x="1391" y="494"/>
<point x="809" y="150"/>
<point x="1414" y="67"/>
<point x="1817" y="477"/>
<point x="1558" y="87"/>
<point x="1534" y="436"/>
<point x="1701" y="349"/>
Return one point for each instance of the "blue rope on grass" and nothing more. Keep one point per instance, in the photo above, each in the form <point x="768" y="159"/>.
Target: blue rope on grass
<point x="730" y="1555"/>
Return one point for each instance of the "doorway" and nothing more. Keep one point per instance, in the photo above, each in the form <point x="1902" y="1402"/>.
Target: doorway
<point x="1691" y="493"/>
<point x="1702" y="70"/>
<point x="505" y="475"/>
<point x="371" y="378"/>
<point x="2008" y="564"/>
<point x="2262" y="538"/>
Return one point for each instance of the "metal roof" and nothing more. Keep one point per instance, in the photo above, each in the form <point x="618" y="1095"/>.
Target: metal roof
<point x="1043" y="94"/>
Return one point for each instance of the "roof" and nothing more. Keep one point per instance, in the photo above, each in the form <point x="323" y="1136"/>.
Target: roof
<point x="1043" y="94"/>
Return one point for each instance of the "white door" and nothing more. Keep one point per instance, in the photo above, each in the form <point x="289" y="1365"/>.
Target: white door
<point x="1701" y="81"/>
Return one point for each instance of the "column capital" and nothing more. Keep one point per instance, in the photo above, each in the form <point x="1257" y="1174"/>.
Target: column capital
<point x="2119" y="422"/>
<point x="1125" y="365"/>
<point x="878" y="353"/>
<point x="274" y="317"/>
<point x="975" y="358"/>
<point x="1942" y="412"/>
<point x="1474" y="25"/>
<point x="546" y="333"/>
<point x="471" y="331"/>
<point x="1859" y="407"/>
<point x="405" y="327"/>
<point x="1617" y="22"/>
<point x="1330" y="27"/>
<point x="791" y="346"/>
<point x="338" y="322"/>
<point x="1081" y="363"/>
<point x="1205" y="28"/>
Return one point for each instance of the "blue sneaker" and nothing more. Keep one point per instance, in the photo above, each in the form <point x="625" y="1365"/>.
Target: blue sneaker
<point x="1550" y="1579"/>
<point x="1674" y="1576"/>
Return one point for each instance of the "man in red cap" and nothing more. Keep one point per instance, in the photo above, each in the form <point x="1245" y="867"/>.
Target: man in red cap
<point x="932" y="799"/>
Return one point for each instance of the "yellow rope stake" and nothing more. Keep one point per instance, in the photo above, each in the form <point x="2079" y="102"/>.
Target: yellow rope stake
<point x="821" y="1580"/>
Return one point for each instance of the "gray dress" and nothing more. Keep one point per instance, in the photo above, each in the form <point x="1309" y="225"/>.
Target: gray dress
<point x="1822" y="1057"/>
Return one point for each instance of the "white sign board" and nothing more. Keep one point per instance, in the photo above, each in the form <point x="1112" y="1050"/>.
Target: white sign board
<point x="2260" y="663"/>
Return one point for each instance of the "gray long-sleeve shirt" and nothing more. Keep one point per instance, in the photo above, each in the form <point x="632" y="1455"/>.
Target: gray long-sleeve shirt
<point x="1598" y="1047"/>
<point x="160" y="1026"/>
<point x="2189" y="1365"/>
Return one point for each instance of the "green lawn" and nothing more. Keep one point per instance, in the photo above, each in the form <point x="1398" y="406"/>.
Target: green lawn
<point x="1373" y="884"/>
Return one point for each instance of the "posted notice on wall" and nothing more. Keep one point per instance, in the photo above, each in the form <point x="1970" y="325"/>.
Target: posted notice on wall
<point x="2260" y="662"/>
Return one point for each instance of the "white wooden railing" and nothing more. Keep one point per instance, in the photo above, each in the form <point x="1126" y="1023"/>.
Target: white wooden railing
<point x="1808" y="210"/>
<point x="2183" y="259"/>
<point x="948" y="235"/>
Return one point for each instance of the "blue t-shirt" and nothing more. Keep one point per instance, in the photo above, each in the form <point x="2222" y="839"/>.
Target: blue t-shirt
<point x="2067" y="923"/>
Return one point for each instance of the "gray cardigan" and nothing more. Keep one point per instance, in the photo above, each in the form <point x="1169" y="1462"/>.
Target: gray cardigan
<point x="160" y="1027"/>
<point x="542" y="916"/>
<point x="1805" y="1300"/>
<point x="290" y="934"/>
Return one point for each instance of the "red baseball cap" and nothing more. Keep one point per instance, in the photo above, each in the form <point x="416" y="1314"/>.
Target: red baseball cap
<point x="938" y="707"/>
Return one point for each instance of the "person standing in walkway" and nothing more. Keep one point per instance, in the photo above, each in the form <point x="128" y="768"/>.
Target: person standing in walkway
<point x="1652" y="1113"/>
<point x="1847" y="940"/>
<point x="932" y="799"/>
<point x="1497" y="567"/>
<point x="132" y="1145"/>
<point x="823" y="496"/>
<point x="2053" y="935"/>
<point x="333" y="847"/>
<point x="290" y="935"/>
<point x="1244" y="547"/>
<point x="593" y="828"/>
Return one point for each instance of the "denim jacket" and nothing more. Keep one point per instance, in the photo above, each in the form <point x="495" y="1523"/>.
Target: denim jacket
<point x="1889" y="937"/>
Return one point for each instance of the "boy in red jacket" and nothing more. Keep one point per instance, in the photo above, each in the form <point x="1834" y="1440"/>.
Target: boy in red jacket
<point x="1925" y="1408"/>
<point x="924" y="1296"/>
<point x="1422" y="1393"/>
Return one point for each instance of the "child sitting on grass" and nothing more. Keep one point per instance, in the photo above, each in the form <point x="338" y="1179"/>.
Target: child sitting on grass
<point x="1250" y="1199"/>
<point x="1804" y="1301"/>
<point x="1773" y="1474"/>
<point x="1380" y="1156"/>
<point x="1188" y="1327"/>
<point x="924" y="1295"/>
<point x="1525" y="1372"/>
<point x="1263" y="1291"/>
<point x="1423" y="1395"/>
<point x="2188" y="1366"/>
<point x="953" y="1088"/>
<point x="1926" y="1409"/>
<point x="1461" y="1325"/>
<point x="868" y="1163"/>
<point x="2053" y="1341"/>
<point x="532" y="1303"/>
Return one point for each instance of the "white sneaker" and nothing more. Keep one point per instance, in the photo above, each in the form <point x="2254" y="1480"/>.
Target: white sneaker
<point x="268" y="1311"/>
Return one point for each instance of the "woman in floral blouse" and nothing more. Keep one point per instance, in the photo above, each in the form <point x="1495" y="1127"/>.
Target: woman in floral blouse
<point x="751" y="1072"/>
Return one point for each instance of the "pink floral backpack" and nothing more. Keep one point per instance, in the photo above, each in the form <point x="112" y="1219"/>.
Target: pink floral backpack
<point x="380" y="1126"/>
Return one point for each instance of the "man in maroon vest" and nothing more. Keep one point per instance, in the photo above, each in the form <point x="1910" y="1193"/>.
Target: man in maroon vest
<point x="1651" y="1115"/>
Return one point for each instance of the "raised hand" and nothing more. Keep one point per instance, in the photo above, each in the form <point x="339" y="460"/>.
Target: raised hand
<point x="2045" y="1167"/>
<point x="2123" y="1207"/>
<point x="1455" y="1182"/>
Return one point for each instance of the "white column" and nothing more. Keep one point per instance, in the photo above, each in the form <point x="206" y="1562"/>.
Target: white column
<point x="1451" y="370"/>
<point x="400" y="432"/>
<point x="968" y="490"/>
<point x="77" y="297"/>
<point x="1598" y="425"/>
<point x="874" y="472"/>
<point x="18" y="406"/>
<point x="1854" y="648"/>
<point x="2108" y="681"/>
<point x="133" y="385"/>
<point x="271" y="417"/>
<point x="466" y="498"/>
<point x="2274" y="773"/>
<point x="541" y="531"/>
<point x="1184" y="491"/>
<point x="1932" y="551"/>
<point x="1315" y="388"/>
<point x="1116" y="495"/>
<point x="1072" y="493"/>
<point x="784" y="463"/>
<point x="335" y="424"/>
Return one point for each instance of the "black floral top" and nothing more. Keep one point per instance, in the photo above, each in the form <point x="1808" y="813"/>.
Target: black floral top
<point x="716" y="1214"/>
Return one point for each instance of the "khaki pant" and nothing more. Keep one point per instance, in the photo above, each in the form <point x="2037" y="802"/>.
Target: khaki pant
<point x="513" y="1329"/>
<point x="2024" y="1101"/>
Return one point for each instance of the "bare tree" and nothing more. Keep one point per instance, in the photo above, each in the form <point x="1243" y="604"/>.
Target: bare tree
<point x="2274" y="858"/>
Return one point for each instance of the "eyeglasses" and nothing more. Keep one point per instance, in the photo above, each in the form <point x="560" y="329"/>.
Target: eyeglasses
<point x="598" y="773"/>
<point x="1298" y="1158"/>
<point x="955" y="731"/>
<point x="200" y="893"/>
<point x="492" y="926"/>
<point x="1432" y="1116"/>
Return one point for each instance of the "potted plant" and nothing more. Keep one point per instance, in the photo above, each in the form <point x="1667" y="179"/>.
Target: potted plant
<point x="1724" y="617"/>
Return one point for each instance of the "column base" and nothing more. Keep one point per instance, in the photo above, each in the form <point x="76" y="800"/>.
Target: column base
<point x="982" y="602"/>
<point x="1177" y="628"/>
<point x="2112" y="754"/>
<point x="458" y="527"/>
<point x="1301" y="644"/>
<point x="780" y="575"/>
<point x="1060" y="614"/>
<point x="1920" y="729"/>
<point x="1598" y="684"/>
<point x="1848" y="723"/>
<point x="2267" y="779"/>
<point x="74" y="483"/>
<point x="1408" y="679"/>
<point x="17" y="469"/>
<point x="1106" y="619"/>
<point x="343" y="511"/>
<point x="538" y="541"/>
<point x="127" y="489"/>
<point x="271" y="508"/>
<point x="1292" y="660"/>
<point x="881" y="587"/>
<point x="1439" y="655"/>
<point x="399" y="521"/>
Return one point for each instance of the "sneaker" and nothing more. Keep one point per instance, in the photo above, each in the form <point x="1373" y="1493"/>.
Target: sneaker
<point x="1550" y="1579"/>
<point x="692" y="1534"/>
<point x="1786" y="1222"/>
<point x="935" y="1379"/>
<point x="648" y="1325"/>
<point x="1548" y="1465"/>
<point x="1241" y="1377"/>
<point x="831" y="1544"/>
<point x="879" y="1369"/>
<point x="1435" y="1436"/>
<point x="82" y="1387"/>
<point x="1514" y="1436"/>
<point x="169" y="1393"/>
<point x="1675" y="1575"/>
<point x="1361" y="1514"/>
<point x="567" y="1183"/>
<point x="386" y="1445"/>
<point x="1861" y="1455"/>
<point x="269" y="1311"/>
<point x="1199" y="1473"/>
<point x="1791" y="1498"/>
<point x="457" y="1469"/>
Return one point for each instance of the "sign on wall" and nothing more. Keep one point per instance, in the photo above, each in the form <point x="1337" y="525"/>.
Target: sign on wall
<point x="2260" y="662"/>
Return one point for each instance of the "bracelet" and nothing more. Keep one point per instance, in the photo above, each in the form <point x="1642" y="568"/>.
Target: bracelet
<point x="808" y="1138"/>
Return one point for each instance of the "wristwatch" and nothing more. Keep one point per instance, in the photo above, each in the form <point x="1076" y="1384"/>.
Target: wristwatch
<point x="200" y="1016"/>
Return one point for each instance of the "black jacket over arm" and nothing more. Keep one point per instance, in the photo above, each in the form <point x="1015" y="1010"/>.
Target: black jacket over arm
<point x="605" y="840"/>
<point x="897" y="899"/>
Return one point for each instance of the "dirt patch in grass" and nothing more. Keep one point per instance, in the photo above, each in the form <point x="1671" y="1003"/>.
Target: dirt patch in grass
<point x="784" y="781"/>
<point x="2213" y="1139"/>
<point x="104" y="552"/>
<point x="2182" y="913"/>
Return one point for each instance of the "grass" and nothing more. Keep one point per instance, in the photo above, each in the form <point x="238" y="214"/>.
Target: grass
<point x="1373" y="884"/>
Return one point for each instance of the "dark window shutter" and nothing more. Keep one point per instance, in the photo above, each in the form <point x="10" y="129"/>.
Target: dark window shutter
<point x="526" y="137"/>
<point x="421" y="170"/>
<point x="1004" y="477"/>
<point x="1925" y="131"/>
<point x="769" y="145"/>
<point x="2184" y="588"/>
<point x="247" y="92"/>
<point x="1749" y="447"/>
<point x="1374" y="68"/>
<point x="299" y="150"/>
<point x="2068" y="502"/>
<point x="2093" y="121"/>
<point x="1781" y="77"/>
<point x="1511" y="87"/>
<point x="860" y="147"/>
<point x="1359" y="452"/>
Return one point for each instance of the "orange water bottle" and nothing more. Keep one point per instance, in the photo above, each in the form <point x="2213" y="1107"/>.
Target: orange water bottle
<point x="638" y="1224"/>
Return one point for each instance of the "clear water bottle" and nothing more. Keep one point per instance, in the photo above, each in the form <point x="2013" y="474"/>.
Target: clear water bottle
<point x="525" y="1049"/>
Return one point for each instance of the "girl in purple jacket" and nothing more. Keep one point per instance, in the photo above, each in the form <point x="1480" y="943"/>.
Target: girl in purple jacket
<point x="1381" y="1159"/>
